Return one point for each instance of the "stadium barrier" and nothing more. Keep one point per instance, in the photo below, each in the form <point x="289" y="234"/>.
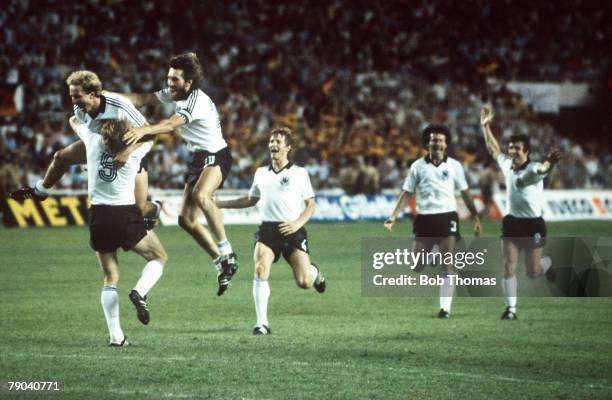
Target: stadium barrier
<point x="70" y="207"/>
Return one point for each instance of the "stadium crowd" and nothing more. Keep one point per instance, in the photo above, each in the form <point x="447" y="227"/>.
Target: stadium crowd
<point x="357" y="81"/>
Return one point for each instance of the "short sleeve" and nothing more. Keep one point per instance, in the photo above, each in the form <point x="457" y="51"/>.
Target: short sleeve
<point x="504" y="162"/>
<point x="531" y="175"/>
<point x="411" y="180"/>
<point x="254" y="190"/>
<point x="307" y="192"/>
<point x="164" y="96"/>
<point x="460" y="181"/>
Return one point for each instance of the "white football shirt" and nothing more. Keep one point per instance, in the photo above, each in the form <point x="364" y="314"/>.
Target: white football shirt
<point x="202" y="129"/>
<point x="524" y="188"/>
<point x="281" y="194"/>
<point x="112" y="106"/>
<point x="107" y="184"/>
<point x="435" y="186"/>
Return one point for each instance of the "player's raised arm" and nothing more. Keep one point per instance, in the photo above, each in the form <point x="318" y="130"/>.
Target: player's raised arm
<point x="553" y="157"/>
<point x="289" y="227"/>
<point x="242" y="202"/>
<point x="486" y="118"/>
<point x="402" y="200"/>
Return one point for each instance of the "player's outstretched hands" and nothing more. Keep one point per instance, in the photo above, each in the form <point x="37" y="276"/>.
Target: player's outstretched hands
<point x="554" y="156"/>
<point x="486" y="116"/>
<point x="389" y="224"/>
<point x="132" y="136"/>
<point x="287" y="228"/>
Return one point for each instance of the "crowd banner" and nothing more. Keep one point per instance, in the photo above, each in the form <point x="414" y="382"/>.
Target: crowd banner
<point x="70" y="207"/>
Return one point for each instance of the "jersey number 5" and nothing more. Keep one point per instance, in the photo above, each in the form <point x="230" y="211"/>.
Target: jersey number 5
<point x="108" y="168"/>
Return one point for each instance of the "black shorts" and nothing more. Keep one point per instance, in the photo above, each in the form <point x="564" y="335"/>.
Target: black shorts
<point x="144" y="163"/>
<point x="528" y="233"/>
<point x="198" y="160"/>
<point x="268" y="234"/>
<point x="111" y="227"/>
<point x="436" y="225"/>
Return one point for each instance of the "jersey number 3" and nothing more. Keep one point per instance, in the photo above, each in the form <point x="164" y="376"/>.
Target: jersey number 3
<point x="108" y="168"/>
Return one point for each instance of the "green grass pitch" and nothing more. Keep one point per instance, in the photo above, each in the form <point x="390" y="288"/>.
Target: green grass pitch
<point x="338" y="345"/>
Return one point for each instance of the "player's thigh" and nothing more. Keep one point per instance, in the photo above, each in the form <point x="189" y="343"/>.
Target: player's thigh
<point x="141" y="188"/>
<point x="74" y="153"/>
<point x="209" y="181"/>
<point x="263" y="258"/>
<point x="151" y="248"/>
<point x="110" y="266"/>
<point x="511" y="253"/>
<point x="300" y="264"/>
<point x="532" y="261"/>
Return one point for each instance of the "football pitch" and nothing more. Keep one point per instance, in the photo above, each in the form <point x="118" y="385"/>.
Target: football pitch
<point x="332" y="345"/>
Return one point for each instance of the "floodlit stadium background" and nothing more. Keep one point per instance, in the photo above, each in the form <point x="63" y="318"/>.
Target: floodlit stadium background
<point x="357" y="81"/>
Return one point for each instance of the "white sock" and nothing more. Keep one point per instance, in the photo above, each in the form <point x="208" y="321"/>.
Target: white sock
<point x="446" y="293"/>
<point x="509" y="289"/>
<point x="110" y="305"/>
<point x="313" y="273"/>
<point x="261" y="294"/>
<point x="545" y="264"/>
<point x="149" y="277"/>
<point x="40" y="188"/>
<point x="225" y="248"/>
<point x="217" y="264"/>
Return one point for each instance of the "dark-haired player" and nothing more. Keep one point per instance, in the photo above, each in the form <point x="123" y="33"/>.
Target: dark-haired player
<point x="210" y="157"/>
<point x="434" y="179"/>
<point x="286" y="203"/>
<point x="523" y="226"/>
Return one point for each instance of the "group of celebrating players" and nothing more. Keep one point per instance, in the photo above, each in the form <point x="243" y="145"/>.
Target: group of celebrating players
<point x="115" y="140"/>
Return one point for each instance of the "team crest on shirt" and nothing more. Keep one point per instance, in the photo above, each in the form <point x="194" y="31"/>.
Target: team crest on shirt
<point x="445" y="175"/>
<point x="284" y="181"/>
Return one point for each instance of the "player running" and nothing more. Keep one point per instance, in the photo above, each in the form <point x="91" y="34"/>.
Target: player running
<point x="210" y="157"/>
<point x="92" y="108"/>
<point x="435" y="178"/>
<point x="523" y="226"/>
<point x="115" y="220"/>
<point x="286" y="203"/>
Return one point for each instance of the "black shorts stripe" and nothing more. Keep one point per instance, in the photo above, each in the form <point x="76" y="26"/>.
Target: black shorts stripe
<point x="136" y="119"/>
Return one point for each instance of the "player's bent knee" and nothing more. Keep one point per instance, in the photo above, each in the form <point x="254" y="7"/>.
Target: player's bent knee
<point x="303" y="282"/>
<point x="186" y="223"/>
<point x="161" y="255"/>
<point x="204" y="200"/>
<point x="261" y="272"/>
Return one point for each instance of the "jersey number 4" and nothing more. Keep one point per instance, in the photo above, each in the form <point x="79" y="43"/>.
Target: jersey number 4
<point x="108" y="168"/>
